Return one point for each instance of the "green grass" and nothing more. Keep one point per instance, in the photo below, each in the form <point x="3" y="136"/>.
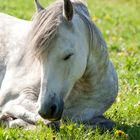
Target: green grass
<point x="119" y="21"/>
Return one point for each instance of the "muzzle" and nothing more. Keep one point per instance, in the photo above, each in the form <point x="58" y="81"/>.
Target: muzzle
<point x="52" y="108"/>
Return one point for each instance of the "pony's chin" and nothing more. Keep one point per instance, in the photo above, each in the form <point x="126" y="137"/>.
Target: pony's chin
<point x="53" y="119"/>
<point x="56" y="117"/>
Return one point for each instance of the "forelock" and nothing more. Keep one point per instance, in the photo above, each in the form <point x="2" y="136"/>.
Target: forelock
<point x="44" y="28"/>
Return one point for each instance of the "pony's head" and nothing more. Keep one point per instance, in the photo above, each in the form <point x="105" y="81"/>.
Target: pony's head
<point x="60" y="40"/>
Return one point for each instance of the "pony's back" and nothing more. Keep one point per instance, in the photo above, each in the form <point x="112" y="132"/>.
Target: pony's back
<point x="12" y="34"/>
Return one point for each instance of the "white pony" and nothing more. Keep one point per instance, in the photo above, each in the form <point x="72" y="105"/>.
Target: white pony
<point x="55" y="67"/>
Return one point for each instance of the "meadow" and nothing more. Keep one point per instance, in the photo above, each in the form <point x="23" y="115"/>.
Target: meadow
<point x="119" y="21"/>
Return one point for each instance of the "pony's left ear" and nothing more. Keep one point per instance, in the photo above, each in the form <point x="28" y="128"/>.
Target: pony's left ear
<point x="38" y="6"/>
<point x="68" y="10"/>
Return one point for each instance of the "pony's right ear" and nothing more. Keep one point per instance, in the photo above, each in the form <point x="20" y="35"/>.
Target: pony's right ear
<point x="38" y="6"/>
<point x="68" y="10"/>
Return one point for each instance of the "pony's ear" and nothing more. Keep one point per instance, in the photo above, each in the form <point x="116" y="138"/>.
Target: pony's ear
<point x="68" y="10"/>
<point x="38" y="6"/>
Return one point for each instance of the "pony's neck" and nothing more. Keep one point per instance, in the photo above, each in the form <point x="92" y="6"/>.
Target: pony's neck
<point x="91" y="78"/>
<point x="97" y="66"/>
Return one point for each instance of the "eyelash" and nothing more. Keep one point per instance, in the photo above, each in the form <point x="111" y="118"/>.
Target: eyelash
<point x="68" y="57"/>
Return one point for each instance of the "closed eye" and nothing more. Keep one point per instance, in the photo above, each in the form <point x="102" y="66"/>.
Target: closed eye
<point x="68" y="56"/>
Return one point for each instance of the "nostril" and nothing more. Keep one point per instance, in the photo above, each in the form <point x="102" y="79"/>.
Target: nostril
<point x="53" y="109"/>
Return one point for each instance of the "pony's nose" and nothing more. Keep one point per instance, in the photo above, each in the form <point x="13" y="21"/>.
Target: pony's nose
<point x="52" y="111"/>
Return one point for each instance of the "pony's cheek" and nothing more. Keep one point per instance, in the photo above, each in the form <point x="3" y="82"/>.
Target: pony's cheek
<point x="66" y="88"/>
<point x="78" y="71"/>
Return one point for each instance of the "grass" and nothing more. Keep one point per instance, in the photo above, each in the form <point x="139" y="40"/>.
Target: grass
<point x="119" y="21"/>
